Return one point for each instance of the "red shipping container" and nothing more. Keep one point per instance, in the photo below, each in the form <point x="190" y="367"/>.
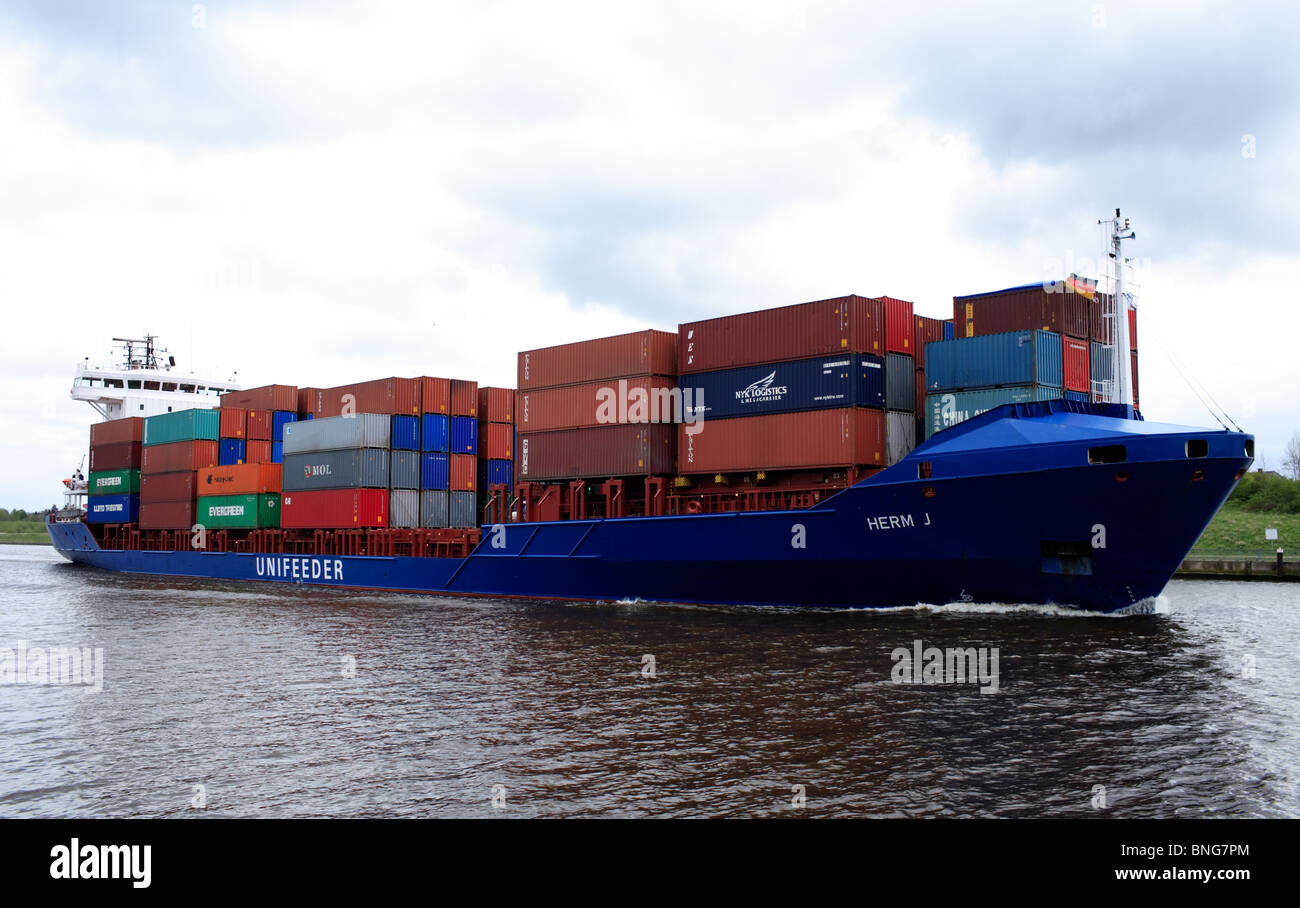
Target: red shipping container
<point x="234" y="422"/>
<point x="179" y="455"/>
<point x="240" y="479"/>
<point x="464" y="398"/>
<point x="306" y="399"/>
<point x="179" y="486"/>
<point x="496" y="440"/>
<point x="117" y="431"/>
<point x="496" y="404"/>
<point x="167" y="515"/>
<point x="926" y="331"/>
<point x="464" y="472"/>
<point x="639" y="353"/>
<point x="335" y="509"/>
<point x="383" y="395"/>
<point x="852" y="436"/>
<point x="260" y="425"/>
<point x="846" y="324"/>
<point x="576" y="406"/>
<point x="1023" y="308"/>
<point x="1133" y="329"/>
<point x="1077" y="361"/>
<point x="119" y="456"/>
<point x="435" y="395"/>
<point x="899" y="326"/>
<point x="267" y="397"/>
<point x="257" y="451"/>
<point x="601" y="452"/>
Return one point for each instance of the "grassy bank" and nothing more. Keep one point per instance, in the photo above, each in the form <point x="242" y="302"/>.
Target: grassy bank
<point x="1238" y="530"/>
<point x="27" y="531"/>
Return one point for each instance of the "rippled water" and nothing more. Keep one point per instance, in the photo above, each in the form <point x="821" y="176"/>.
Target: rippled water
<point x="243" y="689"/>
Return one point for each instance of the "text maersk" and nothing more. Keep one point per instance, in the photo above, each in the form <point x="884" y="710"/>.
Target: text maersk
<point x="299" y="567"/>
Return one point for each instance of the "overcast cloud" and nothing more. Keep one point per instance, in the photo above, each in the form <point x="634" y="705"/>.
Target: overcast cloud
<point x="321" y="193"/>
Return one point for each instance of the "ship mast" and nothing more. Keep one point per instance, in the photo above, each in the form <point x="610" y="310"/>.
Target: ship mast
<point x="1116" y="310"/>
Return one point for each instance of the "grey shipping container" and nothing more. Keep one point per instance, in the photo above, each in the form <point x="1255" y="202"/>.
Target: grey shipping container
<point x="900" y="435"/>
<point x="403" y="508"/>
<point x="433" y="509"/>
<point x="900" y="382"/>
<point x="464" y="509"/>
<point x="357" y="468"/>
<point x="404" y="472"/>
<point x="948" y="408"/>
<point x="334" y="433"/>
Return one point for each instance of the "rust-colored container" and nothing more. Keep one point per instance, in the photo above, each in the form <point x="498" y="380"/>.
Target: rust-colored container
<point x="330" y="509"/>
<point x="640" y="353"/>
<point x="123" y="455"/>
<point x="496" y="404"/>
<point x="496" y="441"/>
<point x="240" y="479"/>
<point x="178" y="486"/>
<point x="383" y="395"/>
<point x="306" y="399"/>
<point x="167" y="515"/>
<point x="435" y="395"/>
<point x="257" y="452"/>
<point x="464" y="398"/>
<point x="811" y="439"/>
<point x="1076" y="359"/>
<point x="259" y="426"/>
<point x="117" y="431"/>
<point x="464" y="472"/>
<point x="267" y="397"/>
<point x="1133" y="358"/>
<point x="1100" y="331"/>
<point x="179" y="455"/>
<point x="900" y="328"/>
<point x="628" y="400"/>
<point x="597" y="453"/>
<point x="1133" y="329"/>
<point x="234" y="422"/>
<point x="1033" y="306"/>
<point x="926" y="330"/>
<point x="846" y="324"/>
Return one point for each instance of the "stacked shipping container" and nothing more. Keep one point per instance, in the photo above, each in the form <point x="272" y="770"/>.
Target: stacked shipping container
<point x="113" y="488"/>
<point x="336" y="472"/>
<point x="176" y="446"/>
<point x="584" y="410"/>
<point x="496" y="437"/>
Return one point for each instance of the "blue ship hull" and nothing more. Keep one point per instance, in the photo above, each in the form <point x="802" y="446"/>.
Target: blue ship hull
<point x="1006" y="507"/>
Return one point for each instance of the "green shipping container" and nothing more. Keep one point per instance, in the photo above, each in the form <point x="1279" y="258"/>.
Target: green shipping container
<point x="114" y="482"/>
<point x="183" y="425"/>
<point x="239" y="512"/>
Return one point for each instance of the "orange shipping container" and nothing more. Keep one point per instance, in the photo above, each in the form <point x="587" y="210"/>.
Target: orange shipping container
<point x="241" y="479"/>
<point x="464" y="398"/>
<point x="233" y="420"/>
<point x="383" y="395"/>
<point x="853" y="436"/>
<point x="260" y="426"/>
<point x="496" y="440"/>
<point x="435" y="395"/>
<point x="267" y="397"/>
<point x="1075" y="363"/>
<point x="464" y="472"/>
<point x="257" y="452"/>
<point x="496" y="404"/>
<point x="639" y="353"/>
<point x="597" y="403"/>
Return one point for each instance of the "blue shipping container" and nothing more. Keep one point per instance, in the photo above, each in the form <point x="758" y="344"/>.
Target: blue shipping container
<point x="948" y="408"/>
<point x="464" y="435"/>
<point x="435" y="432"/>
<point x="994" y="360"/>
<point x="495" y="472"/>
<point x="278" y="420"/>
<point x="786" y="387"/>
<point x="948" y="332"/>
<point x="406" y="433"/>
<point x="1080" y="396"/>
<point x="277" y="452"/>
<point x="231" y="451"/>
<point x="113" y="509"/>
<point x="435" y="471"/>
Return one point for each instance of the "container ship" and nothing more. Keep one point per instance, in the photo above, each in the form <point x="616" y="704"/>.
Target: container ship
<point x="841" y="453"/>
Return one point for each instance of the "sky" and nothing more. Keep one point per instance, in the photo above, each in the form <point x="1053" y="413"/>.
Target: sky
<point x="320" y="193"/>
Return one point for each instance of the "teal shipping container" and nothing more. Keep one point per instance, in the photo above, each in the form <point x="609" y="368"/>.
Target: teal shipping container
<point x="182" y="425"/>
<point x="948" y="408"/>
<point x="994" y="360"/>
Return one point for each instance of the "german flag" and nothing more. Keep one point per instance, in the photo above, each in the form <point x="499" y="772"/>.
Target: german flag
<point x="1076" y="284"/>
